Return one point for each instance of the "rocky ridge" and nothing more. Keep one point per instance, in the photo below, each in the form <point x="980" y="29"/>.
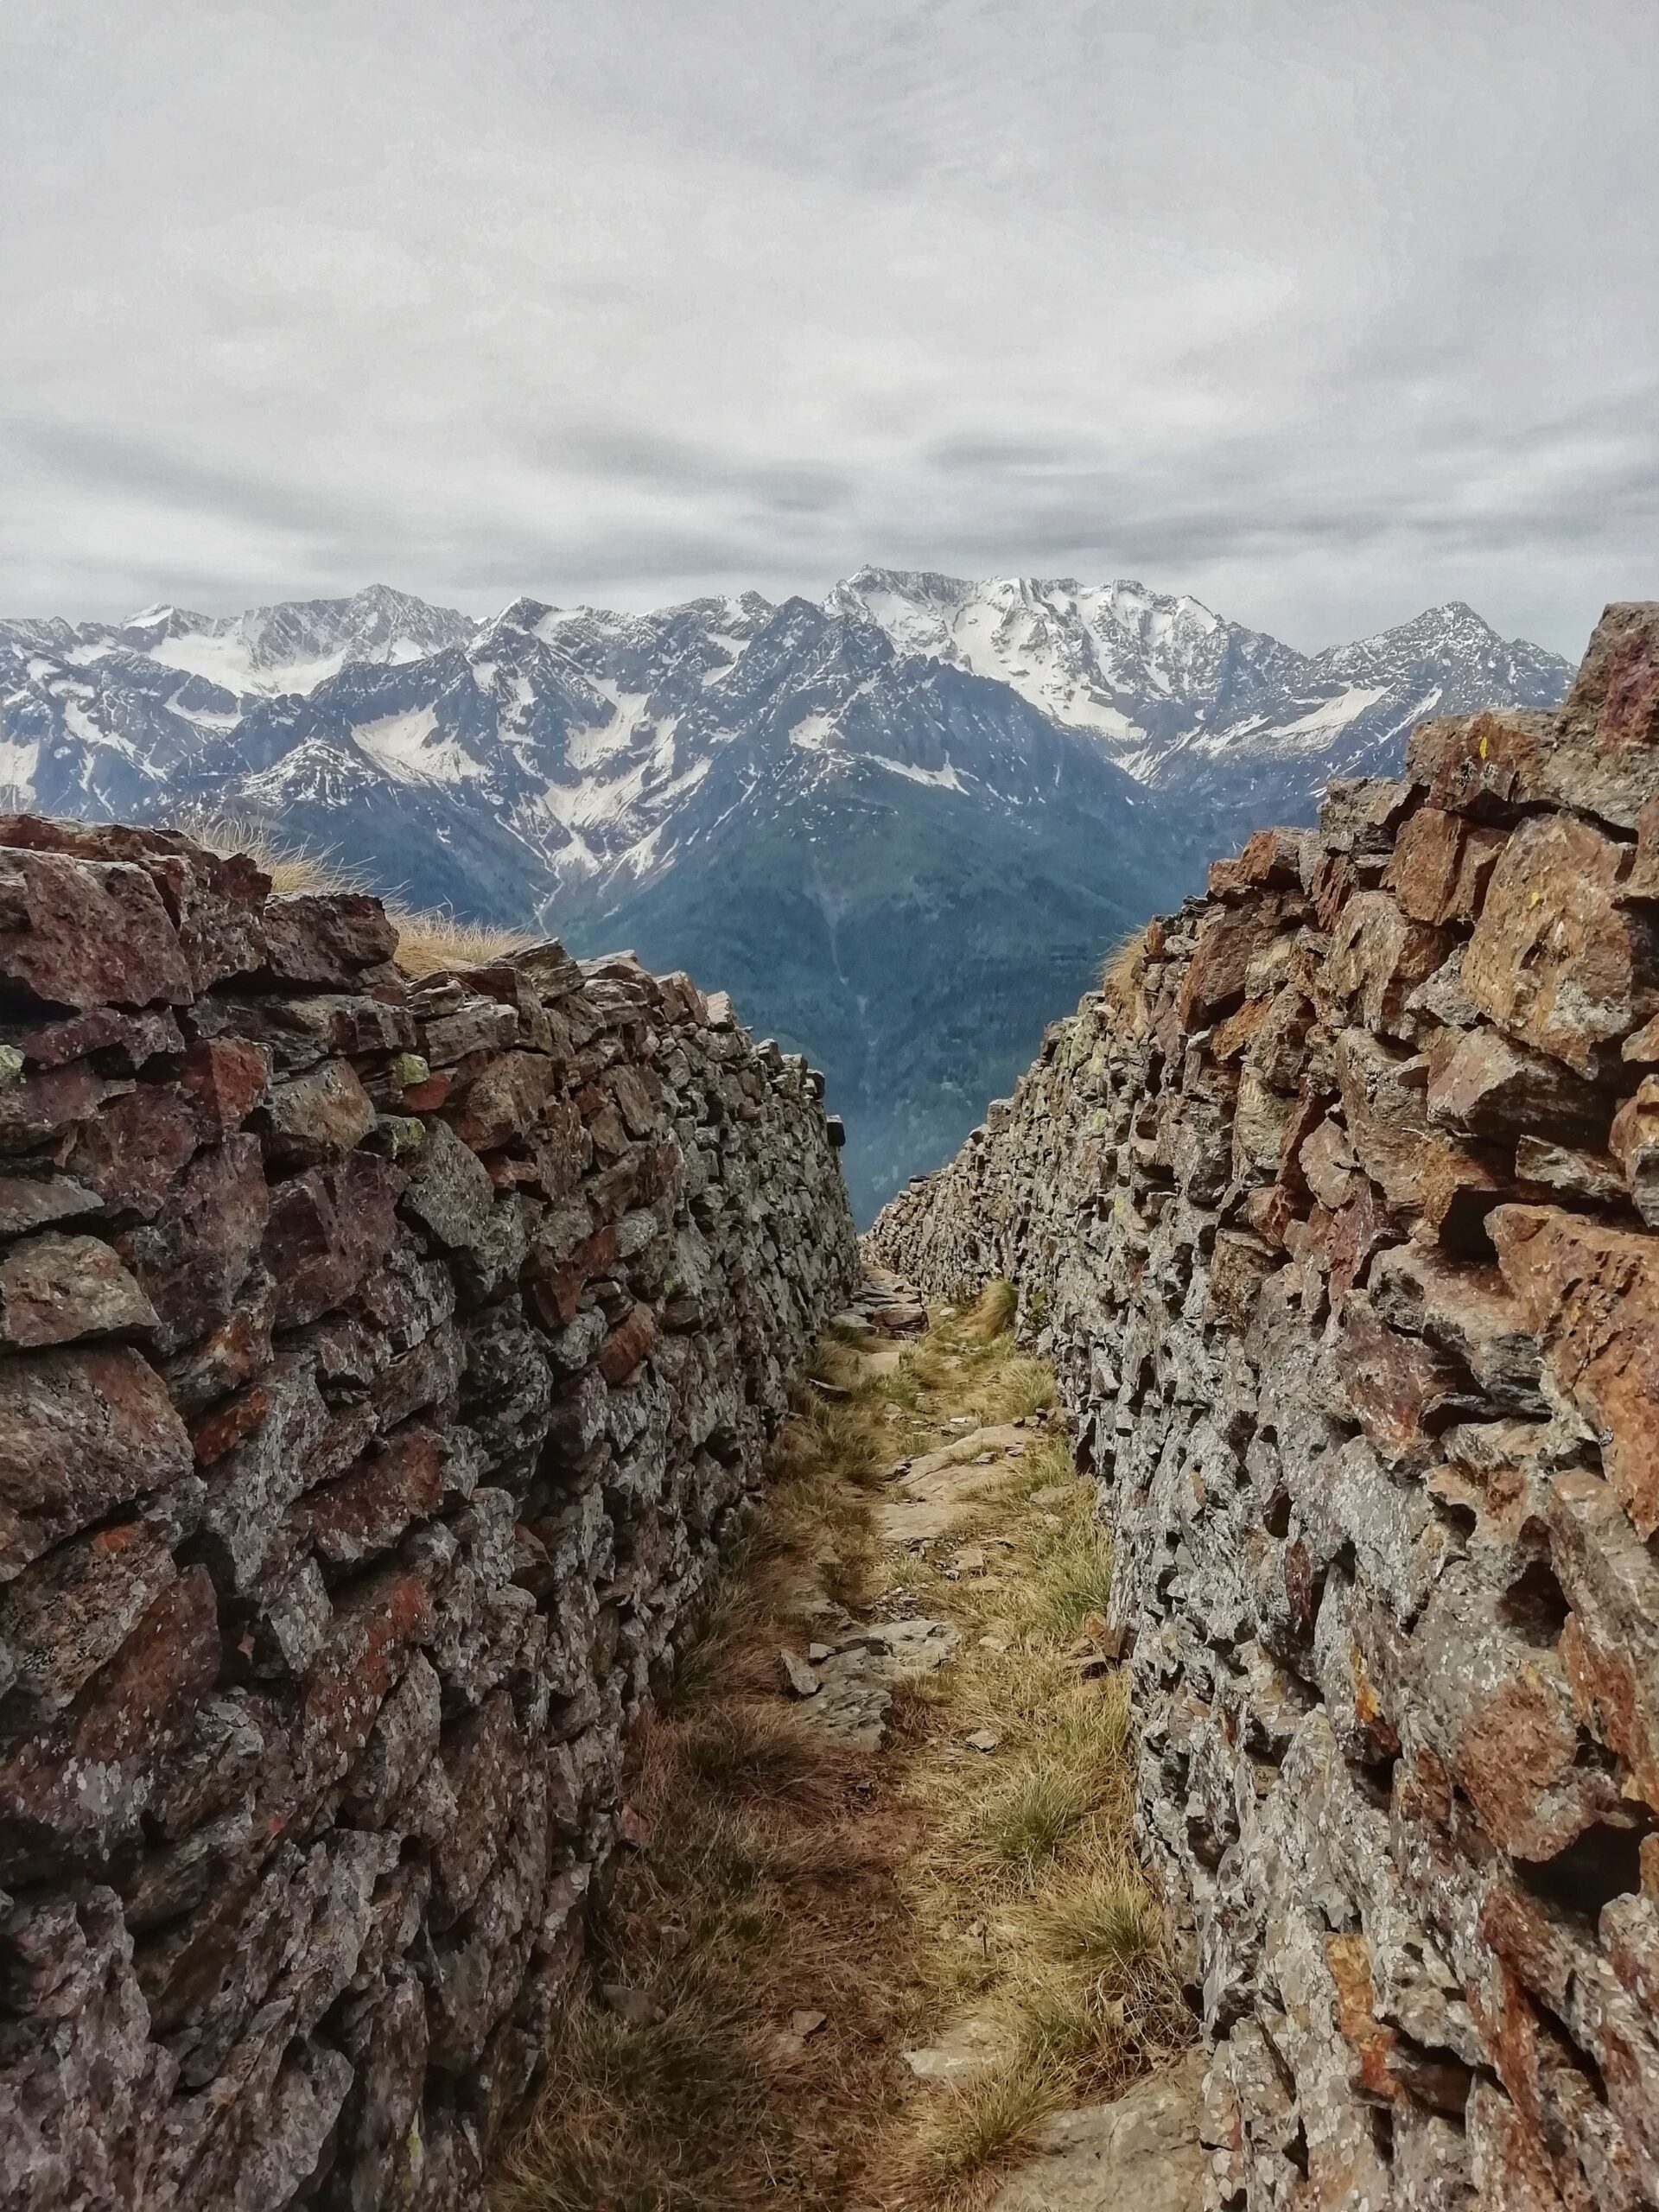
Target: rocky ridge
<point x="384" y="1366"/>
<point x="1338" y="1212"/>
<point x="863" y="816"/>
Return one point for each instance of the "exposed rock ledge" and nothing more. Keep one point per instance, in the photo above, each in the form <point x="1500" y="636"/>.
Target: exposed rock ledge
<point x="1337" y="1214"/>
<point x="382" y="1366"/>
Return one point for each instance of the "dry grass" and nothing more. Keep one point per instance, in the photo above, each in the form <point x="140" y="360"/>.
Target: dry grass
<point x="757" y="1896"/>
<point x="895" y="1892"/>
<point x="430" y="941"/>
<point x="970" y="1364"/>
<point x="772" y="1885"/>
<point x="1037" y="1920"/>
<point x="993" y="1313"/>
<point x="1121" y="971"/>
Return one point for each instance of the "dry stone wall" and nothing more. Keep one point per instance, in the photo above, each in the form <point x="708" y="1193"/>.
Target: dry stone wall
<point x="383" y="1365"/>
<point x="1338" y="1212"/>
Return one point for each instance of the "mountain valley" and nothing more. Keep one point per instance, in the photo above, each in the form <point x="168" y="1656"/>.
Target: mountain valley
<point x="901" y="825"/>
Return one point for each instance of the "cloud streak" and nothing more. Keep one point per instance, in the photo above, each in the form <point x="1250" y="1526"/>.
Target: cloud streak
<point x="1324" y="313"/>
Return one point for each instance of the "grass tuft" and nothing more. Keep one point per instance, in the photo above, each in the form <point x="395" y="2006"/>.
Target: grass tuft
<point x="968" y="2129"/>
<point x="1032" y="1813"/>
<point x="994" y="1310"/>
<point x="1019" y="1387"/>
<point x="1121" y="971"/>
<point x="1105" y="1924"/>
<point x="430" y="940"/>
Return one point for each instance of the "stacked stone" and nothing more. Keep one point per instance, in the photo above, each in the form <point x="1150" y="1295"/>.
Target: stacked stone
<point x="1339" y="1217"/>
<point x="383" y="1365"/>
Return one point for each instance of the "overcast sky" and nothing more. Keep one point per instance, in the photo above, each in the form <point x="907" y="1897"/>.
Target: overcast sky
<point x="1325" y="310"/>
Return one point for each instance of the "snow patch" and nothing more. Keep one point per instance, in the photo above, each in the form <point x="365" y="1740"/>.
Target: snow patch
<point x="18" y="761"/>
<point x="402" y="745"/>
<point x="937" y="779"/>
<point x="1321" y="721"/>
<point x="815" y="733"/>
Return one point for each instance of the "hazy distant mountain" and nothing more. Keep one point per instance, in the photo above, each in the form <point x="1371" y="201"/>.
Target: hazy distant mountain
<point x="899" y="826"/>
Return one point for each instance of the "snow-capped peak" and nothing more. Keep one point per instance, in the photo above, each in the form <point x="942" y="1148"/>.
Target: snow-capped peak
<point x="1088" y="656"/>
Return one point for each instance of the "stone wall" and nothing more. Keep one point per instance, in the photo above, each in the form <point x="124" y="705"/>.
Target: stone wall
<point x="1337" y="1211"/>
<point x="382" y="1366"/>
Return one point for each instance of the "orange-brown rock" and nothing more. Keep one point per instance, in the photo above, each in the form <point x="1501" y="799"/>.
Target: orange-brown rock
<point x="1634" y="1142"/>
<point x="1271" y="859"/>
<point x="226" y="1078"/>
<point x="1441" y="865"/>
<point x="1216" y="975"/>
<point x="1555" y="960"/>
<point x="1592" y="1295"/>
<point x="1610" y="1642"/>
<point x="1394" y="1383"/>
<point x="365" y="1512"/>
<point x="1385" y="1102"/>
<point x="627" y="1345"/>
<point x="1378" y="957"/>
<point x="1482" y="1084"/>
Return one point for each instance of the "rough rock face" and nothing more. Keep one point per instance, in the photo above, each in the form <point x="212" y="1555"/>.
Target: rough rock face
<point x="1337" y="1217"/>
<point x="382" y="1368"/>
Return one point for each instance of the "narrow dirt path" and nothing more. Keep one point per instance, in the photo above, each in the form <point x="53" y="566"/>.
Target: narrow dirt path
<point x="877" y="1943"/>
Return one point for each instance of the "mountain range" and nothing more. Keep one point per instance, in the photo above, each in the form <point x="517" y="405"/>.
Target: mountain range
<point x="900" y="825"/>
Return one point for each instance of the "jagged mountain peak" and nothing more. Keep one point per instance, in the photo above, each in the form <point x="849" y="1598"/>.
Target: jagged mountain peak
<point x="523" y="613"/>
<point x="165" y="621"/>
<point x="1454" y="645"/>
<point x="1094" y="657"/>
<point x="1454" y="619"/>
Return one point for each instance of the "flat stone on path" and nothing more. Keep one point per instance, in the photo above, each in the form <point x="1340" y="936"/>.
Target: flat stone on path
<point x="1053" y="1494"/>
<point x="855" y="1681"/>
<point x="1139" y="2153"/>
<point x="928" y="1495"/>
<point x="971" y="2047"/>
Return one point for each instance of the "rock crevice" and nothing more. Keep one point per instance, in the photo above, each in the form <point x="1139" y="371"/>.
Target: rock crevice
<point x="384" y="1365"/>
<point x="1335" y="1210"/>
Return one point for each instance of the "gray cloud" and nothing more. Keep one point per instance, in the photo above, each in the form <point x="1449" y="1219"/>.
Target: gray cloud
<point x="1324" y="313"/>
<point x="77" y="452"/>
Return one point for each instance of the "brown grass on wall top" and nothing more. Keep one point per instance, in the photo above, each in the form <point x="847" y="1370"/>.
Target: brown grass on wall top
<point x="431" y="941"/>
